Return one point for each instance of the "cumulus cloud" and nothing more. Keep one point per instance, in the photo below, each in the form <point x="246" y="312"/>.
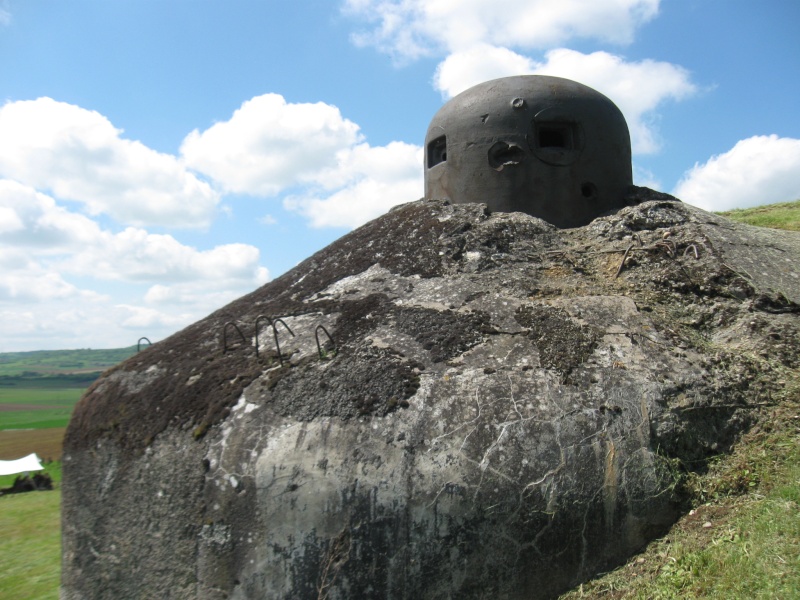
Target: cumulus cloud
<point x="637" y="88"/>
<point x="33" y="222"/>
<point x="409" y="29"/>
<point x="147" y="319"/>
<point x="35" y="284"/>
<point x="269" y="145"/>
<point x="312" y="153"/>
<point x="136" y="255"/>
<point x="77" y="154"/>
<point x="49" y="256"/>
<point x="54" y="265"/>
<point x="478" y="38"/>
<point x="96" y="324"/>
<point x="758" y="170"/>
<point x="461" y="70"/>
<point x="366" y="183"/>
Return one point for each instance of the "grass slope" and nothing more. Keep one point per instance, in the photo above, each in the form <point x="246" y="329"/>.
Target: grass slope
<point x="777" y="216"/>
<point x="741" y="539"/>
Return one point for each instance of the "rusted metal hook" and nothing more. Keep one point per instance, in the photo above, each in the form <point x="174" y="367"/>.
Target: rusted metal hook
<point x="319" y="347"/>
<point x="225" y="335"/>
<point x="669" y="246"/>
<point x="275" y="333"/>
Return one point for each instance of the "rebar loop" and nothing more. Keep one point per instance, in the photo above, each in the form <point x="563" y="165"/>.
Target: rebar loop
<point x="319" y="347"/>
<point x="225" y="335"/>
<point x="139" y="343"/>
<point x="275" y="333"/>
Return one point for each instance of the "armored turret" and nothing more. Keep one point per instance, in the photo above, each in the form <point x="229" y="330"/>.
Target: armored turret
<point x="546" y="146"/>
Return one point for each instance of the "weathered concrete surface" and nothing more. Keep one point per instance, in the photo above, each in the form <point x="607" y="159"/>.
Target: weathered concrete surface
<point x="506" y="412"/>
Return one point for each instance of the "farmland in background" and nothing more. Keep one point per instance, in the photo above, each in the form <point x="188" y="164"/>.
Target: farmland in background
<point x="38" y="391"/>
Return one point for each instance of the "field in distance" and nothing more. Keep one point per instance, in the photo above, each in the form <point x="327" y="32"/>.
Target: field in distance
<point x="61" y="362"/>
<point x="38" y="391"/>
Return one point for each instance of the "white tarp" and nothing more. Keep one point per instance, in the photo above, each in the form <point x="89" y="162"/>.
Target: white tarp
<point x="21" y="465"/>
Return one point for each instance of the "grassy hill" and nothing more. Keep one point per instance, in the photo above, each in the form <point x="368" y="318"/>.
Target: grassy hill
<point x="785" y="215"/>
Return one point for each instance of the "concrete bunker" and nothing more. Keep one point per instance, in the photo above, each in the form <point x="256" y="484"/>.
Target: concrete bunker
<point x="546" y="146"/>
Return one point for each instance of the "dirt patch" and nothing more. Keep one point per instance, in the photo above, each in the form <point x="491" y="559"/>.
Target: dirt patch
<point x="44" y="442"/>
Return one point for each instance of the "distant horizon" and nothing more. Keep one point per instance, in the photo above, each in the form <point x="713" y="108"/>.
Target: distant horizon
<point x="160" y="160"/>
<point x="65" y="349"/>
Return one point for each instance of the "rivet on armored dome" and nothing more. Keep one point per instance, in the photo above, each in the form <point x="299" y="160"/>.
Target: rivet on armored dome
<point x="546" y="146"/>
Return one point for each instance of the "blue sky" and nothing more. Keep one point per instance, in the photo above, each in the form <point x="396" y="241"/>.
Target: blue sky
<point x="159" y="158"/>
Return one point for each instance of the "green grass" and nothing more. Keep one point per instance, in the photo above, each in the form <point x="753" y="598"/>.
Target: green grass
<point x="38" y="381"/>
<point x="777" y="216"/>
<point x="59" y="403"/>
<point x="41" y="396"/>
<point x="743" y="538"/>
<point x="35" y="419"/>
<point x="30" y="546"/>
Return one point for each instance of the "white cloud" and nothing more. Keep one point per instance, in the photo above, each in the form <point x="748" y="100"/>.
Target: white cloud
<point x="269" y="145"/>
<point x="646" y="178"/>
<point x="409" y="29"/>
<point x="136" y="255"/>
<point x="268" y="220"/>
<point x="461" y="70"/>
<point x="311" y="152"/>
<point x="370" y="180"/>
<point x="478" y="37"/>
<point x="35" y="284"/>
<point x="69" y="324"/>
<point x="78" y="155"/>
<point x="52" y="261"/>
<point x="758" y="170"/>
<point x="9" y="220"/>
<point x="139" y="317"/>
<point x="637" y="88"/>
<point x="33" y="222"/>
